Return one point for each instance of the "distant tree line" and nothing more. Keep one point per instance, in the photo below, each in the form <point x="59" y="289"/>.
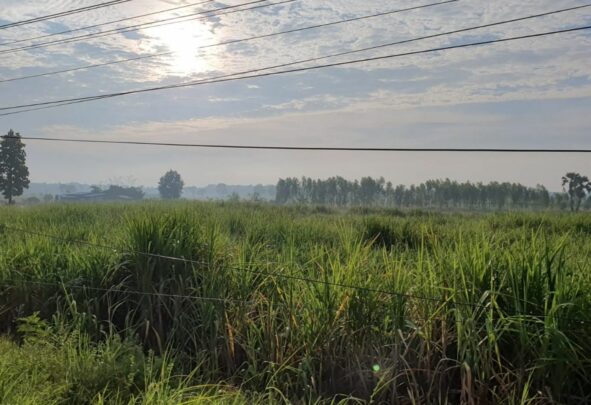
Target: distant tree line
<point x="115" y="191"/>
<point x="341" y="192"/>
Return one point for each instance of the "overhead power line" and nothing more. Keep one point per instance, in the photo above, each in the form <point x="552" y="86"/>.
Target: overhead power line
<point x="96" y="65"/>
<point x="264" y="36"/>
<point x="389" y="44"/>
<point x="235" y="41"/>
<point x="239" y="40"/>
<point x="53" y="34"/>
<point x="245" y="75"/>
<point x="63" y="14"/>
<point x="154" y="24"/>
<point x="301" y="148"/>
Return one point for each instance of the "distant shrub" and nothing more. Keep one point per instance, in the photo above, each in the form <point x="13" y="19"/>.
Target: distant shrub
<point x="323" y="209"/>
<point x="57" y="365"/>
<point x="32" y="200"/>
<point x="384" y="233"/>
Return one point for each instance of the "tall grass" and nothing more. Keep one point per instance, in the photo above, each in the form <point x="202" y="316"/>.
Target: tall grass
<point x="492" y="308"/>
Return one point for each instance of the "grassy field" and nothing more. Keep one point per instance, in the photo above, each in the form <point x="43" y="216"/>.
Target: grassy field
<point x="446" y="308"/>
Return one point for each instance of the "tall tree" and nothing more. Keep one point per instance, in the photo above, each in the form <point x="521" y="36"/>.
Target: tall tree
<point x="578" y="187"/>
<point x="431" y="194"/>
<point x="171" y="185"/>
<point x="14" y="174"/>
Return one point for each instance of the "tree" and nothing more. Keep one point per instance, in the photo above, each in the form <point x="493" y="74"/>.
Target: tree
<point x="118" y="192"/>
<point x="578" y="187"/>
<point x="14" y="174"/>
<point x="171" y="185"/>
<point x="133" y="193"/>
<point x="281" y="192"/>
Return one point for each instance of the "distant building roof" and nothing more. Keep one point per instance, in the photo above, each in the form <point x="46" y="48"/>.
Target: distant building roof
<point x="94" y="196"/>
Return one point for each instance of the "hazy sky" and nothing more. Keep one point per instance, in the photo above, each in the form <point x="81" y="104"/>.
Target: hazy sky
<point x="530" y="93"/>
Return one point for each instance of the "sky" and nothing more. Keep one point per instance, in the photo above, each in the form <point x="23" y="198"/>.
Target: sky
<point x="533" y="93"/>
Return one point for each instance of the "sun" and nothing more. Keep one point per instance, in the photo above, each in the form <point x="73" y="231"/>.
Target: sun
<point x="184" y="40"/>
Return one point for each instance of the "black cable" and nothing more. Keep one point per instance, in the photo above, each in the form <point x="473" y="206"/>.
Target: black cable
<point x="304" y="148"/>
<point x="154" y="24"/>
<point x="266" y="274"/>
<point x="87" y="67"/>
<point x="17" y="283"/>
<point x="105" y="23"/>
<point x="63" y="14"/>
<point x="257" y="272"/>
<point x="234" y="41"/>
<point x="303" y="69"/>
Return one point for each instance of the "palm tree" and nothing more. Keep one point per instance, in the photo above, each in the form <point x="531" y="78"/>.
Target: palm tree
<point x="578" y="187"/>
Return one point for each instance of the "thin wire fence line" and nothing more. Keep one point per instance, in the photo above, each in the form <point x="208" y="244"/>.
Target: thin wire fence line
<point x="202" y="15"/>
<point x="365" y="49"/>
<point x="17" y="283"/>
<point x="279" y="275"/>
<point x="106" y="23"/>
<point x="310" y="281"/>
<point x="236" y="41"/>
<point x="256" y="272"/>
<point x="68" y="101"/>
<point x="303" y="148"/>
<point x="63" y="14"/>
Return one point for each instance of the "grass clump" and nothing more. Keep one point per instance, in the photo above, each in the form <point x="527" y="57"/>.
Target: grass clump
<point x="449" y="307"/>
<point x="58" y="365"/>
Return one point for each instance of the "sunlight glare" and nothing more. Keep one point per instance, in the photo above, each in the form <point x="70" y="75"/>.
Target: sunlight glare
<point x="184" y="40"/>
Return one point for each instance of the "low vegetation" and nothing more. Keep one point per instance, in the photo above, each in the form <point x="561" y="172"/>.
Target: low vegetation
<point x="490" y="308"/>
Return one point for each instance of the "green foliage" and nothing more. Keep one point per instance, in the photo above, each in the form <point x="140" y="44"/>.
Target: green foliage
<point x="578" y="188"/>
<point x="14" y="174"/>
<point x="484" y="308"/>
<point x="399" y="234"/>
<point x="441" y="194"/>
<point x="171" y="185"/>
<point x="114" y="191"/>
<point x="55" y="365"/>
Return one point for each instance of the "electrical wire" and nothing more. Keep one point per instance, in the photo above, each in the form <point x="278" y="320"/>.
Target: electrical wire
<point x="302" y="148"/>
<point x="154" y="24"/>
<point x="105" y="23"/>
<point x="17" y="283"/>
<point x="245" y="75"/>
<point x="256" y="272"/>
<point x="263" y="273"/>
<point x="62" y="14"/>
<point x="235" y="41"/>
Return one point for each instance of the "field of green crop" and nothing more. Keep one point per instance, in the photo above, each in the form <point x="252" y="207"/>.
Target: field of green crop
<point x="292" y="305"/>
